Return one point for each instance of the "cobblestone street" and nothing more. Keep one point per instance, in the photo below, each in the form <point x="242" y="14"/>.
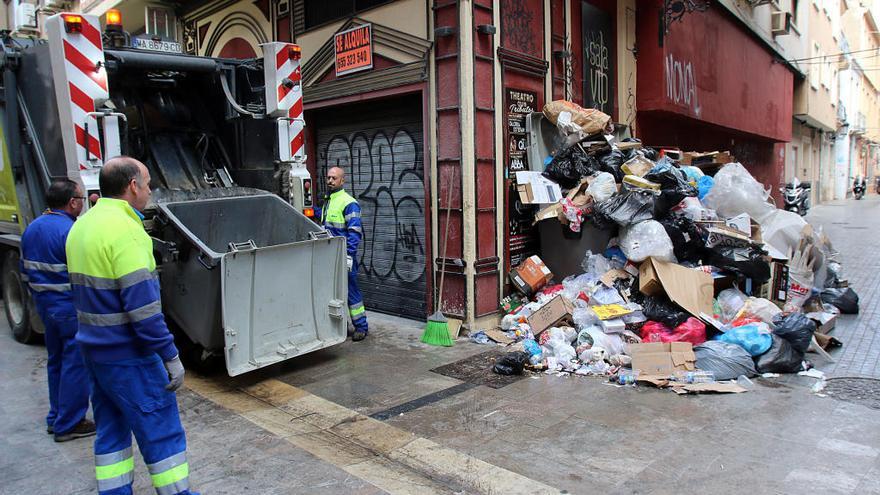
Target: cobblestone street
<point x="854" y="228"/>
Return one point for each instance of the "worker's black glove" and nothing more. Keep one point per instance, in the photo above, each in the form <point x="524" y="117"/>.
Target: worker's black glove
<point x="175" y="373"/>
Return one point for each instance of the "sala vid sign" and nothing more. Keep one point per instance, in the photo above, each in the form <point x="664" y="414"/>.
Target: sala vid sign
<point x="354" y="50"/>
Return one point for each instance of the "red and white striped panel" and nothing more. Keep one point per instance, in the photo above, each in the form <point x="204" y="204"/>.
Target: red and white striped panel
<point x="80" y="84"/>
<point x="284" y="100"/>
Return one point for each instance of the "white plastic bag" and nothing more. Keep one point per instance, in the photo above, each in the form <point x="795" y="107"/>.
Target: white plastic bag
<point x="760" y="308"/>
<point x="736" y="191"/>
<point x="646" y="239"/>
<point x="612" y="343"/>
<point x="691" y="207"/>
<point x="603" y="187"/>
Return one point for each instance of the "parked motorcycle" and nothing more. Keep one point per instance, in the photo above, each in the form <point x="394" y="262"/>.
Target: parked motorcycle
<point x="859" y="187"/>
<point x="796" y="196"/>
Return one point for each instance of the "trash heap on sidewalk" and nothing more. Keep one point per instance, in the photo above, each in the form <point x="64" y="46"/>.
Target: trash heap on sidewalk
<point x="703" y="280"/>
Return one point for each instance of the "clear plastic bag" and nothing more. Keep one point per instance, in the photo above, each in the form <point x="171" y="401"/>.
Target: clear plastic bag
<point x="646" y="239"/>
<point x="595" y="264"/>
<point x="584" y="317"/>
<point x="603" y="187"/>
<point x="730" y="301"/>
<point x="735" y="191"/>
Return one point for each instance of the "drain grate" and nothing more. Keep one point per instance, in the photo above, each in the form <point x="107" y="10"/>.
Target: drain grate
<point x="477" y="369"/>
<point x="863" y="391"/>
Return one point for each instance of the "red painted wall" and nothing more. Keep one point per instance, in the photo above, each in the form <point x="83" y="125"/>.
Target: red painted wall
<point x="711" y="69"/>
<point x="711" y="86"/>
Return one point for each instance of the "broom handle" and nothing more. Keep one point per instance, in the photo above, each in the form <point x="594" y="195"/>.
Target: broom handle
<point x="445" y="243"/>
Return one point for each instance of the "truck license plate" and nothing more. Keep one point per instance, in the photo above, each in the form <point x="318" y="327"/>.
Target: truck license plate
<point x="157" y="46"/>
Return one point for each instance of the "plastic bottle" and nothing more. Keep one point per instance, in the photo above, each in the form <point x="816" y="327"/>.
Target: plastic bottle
<point x="698" y="376"/>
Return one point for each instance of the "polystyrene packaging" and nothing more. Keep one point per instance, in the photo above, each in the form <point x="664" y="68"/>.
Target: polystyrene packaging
<point x="646" y="239"/>
<point x="735" y="192"/>
<point x="602" y="187"/>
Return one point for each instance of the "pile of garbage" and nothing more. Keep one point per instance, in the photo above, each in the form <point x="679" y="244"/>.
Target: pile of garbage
<point x="704" y="279"/>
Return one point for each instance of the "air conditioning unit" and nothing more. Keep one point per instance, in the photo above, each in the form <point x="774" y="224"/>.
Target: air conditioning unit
<point x="25" y="16"/>
<point x="780" y="23"/>
<point x="54" y="4"/>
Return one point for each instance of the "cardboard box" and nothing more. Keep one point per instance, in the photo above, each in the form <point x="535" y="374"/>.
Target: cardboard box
<point x="662" y="358"/>
<point x="691" y="289"/>
<point x="707" y="158"/>
<point x="550" y="314"/>
<point x="534" y="188"/>
<point x="776" y="289"/>
<point x="531" y="275"/>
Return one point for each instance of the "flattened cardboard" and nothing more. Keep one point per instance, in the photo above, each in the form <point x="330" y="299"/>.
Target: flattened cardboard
<point x="691" y="289"/>
<point x="498" y="336"/>
<point x="662" y="358"/>
<point x="550" y="314"/>
<point x="716" y="388"/>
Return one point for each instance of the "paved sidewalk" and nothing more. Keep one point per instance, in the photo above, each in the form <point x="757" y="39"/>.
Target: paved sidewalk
<point x="854" y="229"/>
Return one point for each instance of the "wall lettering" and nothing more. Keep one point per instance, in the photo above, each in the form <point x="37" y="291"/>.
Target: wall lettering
<point x="681" y="84"/>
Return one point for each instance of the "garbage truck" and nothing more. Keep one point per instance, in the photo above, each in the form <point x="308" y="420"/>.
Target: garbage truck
<point x="244" y="271"/>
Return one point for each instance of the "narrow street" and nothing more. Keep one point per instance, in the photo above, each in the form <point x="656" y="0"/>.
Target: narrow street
<point x="372" y="417"/>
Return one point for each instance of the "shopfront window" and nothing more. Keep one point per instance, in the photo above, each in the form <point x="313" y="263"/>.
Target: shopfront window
<point x="318" y="12"/>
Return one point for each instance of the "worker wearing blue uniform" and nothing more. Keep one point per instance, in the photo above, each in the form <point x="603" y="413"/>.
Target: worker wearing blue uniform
<point x="44" y="266"/>
<point x="129" y="353"/>
<point x="341" y="216"/>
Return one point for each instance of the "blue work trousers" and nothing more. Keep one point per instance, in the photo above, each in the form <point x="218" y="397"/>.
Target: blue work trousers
<point x="128" y="397"/>
<point x="356" y="301"/>
<point x="68" y="381"/>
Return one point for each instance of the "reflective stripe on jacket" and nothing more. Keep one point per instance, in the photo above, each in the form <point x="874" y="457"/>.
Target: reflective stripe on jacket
<point x="341" y="216"/>
<point x="44" y="262"/>
<point x="115" y="287"/>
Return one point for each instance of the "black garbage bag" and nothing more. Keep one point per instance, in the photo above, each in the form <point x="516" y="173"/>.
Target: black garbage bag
<point x="674" y="187"/>
<point x="649" y="153"/>
<point x="796" y="328"/>
<point x="726" y="361"/>
<point x="632" y="152"/>
<point x="780" y="358"/>
<point x="846" y="300"/>
<point x="611" y="161"/>
<point x="742" y="262"/>
<point x="511" y="363"/>
<point x="626" y="208"/>
<point x="686" y="236"/>
<point x="660" y="309"/>
<point x="569" y="166"/>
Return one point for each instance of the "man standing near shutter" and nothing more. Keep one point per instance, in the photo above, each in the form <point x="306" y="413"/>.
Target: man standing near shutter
<point x="44" y="265"/>
<point x="341" y="216"/>
<point x="129" y="353"/>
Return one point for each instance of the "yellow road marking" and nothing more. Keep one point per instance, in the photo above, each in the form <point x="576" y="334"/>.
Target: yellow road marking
<point x="390" y="458"/>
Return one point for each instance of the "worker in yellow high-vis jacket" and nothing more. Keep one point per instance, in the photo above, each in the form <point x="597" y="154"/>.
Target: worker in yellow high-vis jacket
<point x="129" y="353"/>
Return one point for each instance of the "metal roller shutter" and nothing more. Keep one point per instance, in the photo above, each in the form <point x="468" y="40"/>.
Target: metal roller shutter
<point x="380" y="147"/>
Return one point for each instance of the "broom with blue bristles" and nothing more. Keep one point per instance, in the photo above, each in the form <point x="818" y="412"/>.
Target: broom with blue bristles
<point x="437" y="329"/>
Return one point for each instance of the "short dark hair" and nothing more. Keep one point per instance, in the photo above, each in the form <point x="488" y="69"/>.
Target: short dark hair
<point x="116" y="174"/>
<point x="60" y="193"/>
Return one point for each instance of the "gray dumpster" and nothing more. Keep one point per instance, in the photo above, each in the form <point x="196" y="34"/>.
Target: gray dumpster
<point x="255" y="278"/>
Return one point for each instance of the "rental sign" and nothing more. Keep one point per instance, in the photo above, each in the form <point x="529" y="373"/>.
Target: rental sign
<point x="354" y="50"/>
